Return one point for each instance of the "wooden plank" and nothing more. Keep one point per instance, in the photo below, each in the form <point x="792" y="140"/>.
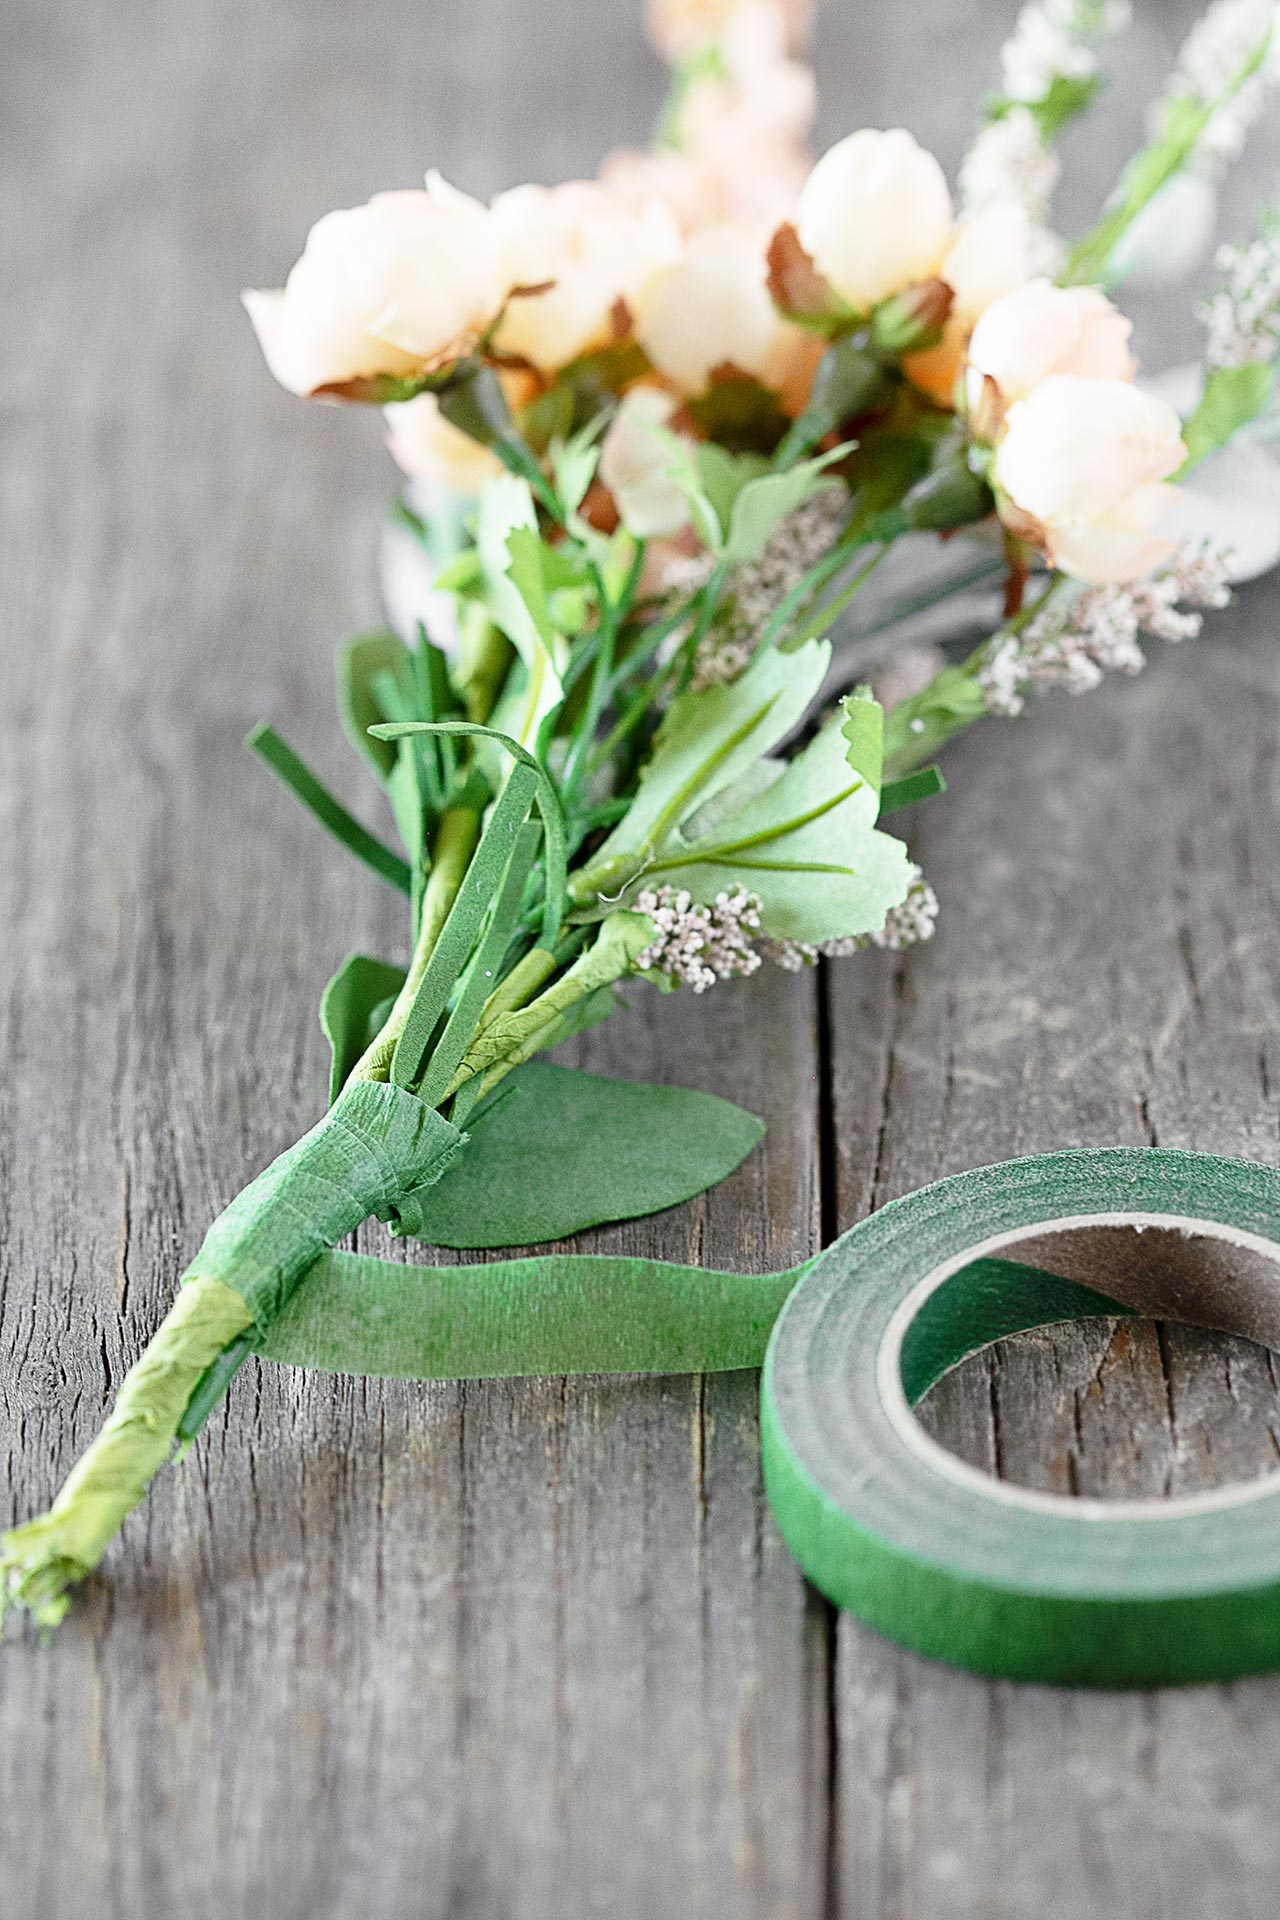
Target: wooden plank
<point x="500" y="1650"/>
<point x="1104" y="973"/>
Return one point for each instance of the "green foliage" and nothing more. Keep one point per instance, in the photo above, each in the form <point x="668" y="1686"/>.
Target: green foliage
<point x="922" y="785"/>
<point x="351" y="1007"/>
<point x="315" y="796"/>
<point x="361" y="662"/>
<point x="1233" y="398"/>
<point x="863" y="733"/>
<point x="918" y="726"/>
<point x="513" y="556"/>
<point x="548" y="802"/>
<point x="556" y="1151"/>
<point x="711" y="738"/>
<point x="739" y="414"/>
<point x="807" y="845"/>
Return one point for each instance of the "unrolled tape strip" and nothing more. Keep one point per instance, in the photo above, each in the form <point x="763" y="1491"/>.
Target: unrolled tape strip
<point x="926" y="1549"/>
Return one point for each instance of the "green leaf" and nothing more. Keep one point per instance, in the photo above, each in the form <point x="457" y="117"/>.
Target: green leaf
<point x="1233" y="397"/>
<point x="763" y="503"/>
<point x="712" y="737"/>
<point x="808" y="846"/>
<point x="724" y="475"/>
<point x="847" y="383"/>
<point x="349" y="1007"/>
<point x="863" y="731"/>
<point x="463" y="575"/>
<point x="327" y="809"/>
<point x="564" y="1150"/>
<point x="465" y="923"/>
<point x="483" y="970"/>
<point x="740" y="414"/>
<point x="683" y="473"/>
<point x="360" y="663"/>
<point x="478" y="407"/>
<point x="511" y="552"/>
<point x="922" y="785"/>
<point x="548" y="806"/>
<point x="573" y="463"/>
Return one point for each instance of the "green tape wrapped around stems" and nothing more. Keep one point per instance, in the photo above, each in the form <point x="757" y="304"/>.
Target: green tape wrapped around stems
<point x="924" y="1548"/>
<point x="375" y="1149"/>
<point x="927" y="1550"/>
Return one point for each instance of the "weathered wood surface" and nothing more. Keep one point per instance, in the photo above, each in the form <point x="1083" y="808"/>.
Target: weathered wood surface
<point x="533" y="1651"/>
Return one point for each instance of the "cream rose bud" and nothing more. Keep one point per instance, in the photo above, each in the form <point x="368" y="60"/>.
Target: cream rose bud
<point x="398" y="286"/>
<point x="1041" y="330"/>
<point x="710" y="309"/>
<point x="989" y="257"/>
<point x="428" y="447"/>
<point x="1086" y="460"/>
<point x="875" y="215"/>
<point x="634" y="464"/>
<point x="587" y="248"/>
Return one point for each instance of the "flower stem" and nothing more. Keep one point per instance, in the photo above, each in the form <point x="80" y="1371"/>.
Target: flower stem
<point x="39" y="1561"/>
<point x="455" y="844"/>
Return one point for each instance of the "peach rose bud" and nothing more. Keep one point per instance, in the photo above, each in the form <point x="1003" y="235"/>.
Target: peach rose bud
<point x="634" y="463"/>
<point x="1086" y="460"/>
<point x="430" y="448"/>
<point x="710" y="309"/>
<point x="590" y="256"/>
<point x="1040" y="330"/>
<point x="398" y="287"/>
<point x="875" y="216"/>
<point x="989" y="258"/>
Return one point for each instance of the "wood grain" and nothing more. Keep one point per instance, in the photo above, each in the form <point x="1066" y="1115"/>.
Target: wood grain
<point x="529" y="1651"/>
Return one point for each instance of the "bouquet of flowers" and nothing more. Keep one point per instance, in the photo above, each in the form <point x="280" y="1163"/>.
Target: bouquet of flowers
<point x="661" y="429"/>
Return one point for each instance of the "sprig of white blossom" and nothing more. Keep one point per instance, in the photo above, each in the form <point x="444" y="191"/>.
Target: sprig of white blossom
<point x="1009" y="160"/>
<point x="1211" y="59"/>
<point x="697" y="945"/>
<point x="911" y="922"/>
<point x="1057" y="40"/>
<point x="1243" y="316"/>
<point x="1073" y="644"/>
<point x="1012" y="156"/>
<point x="757" y="590"/>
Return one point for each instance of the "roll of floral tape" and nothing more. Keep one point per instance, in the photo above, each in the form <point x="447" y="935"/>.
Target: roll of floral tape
<point x="994" y="1577"/>
<point x="926" y="1549"/>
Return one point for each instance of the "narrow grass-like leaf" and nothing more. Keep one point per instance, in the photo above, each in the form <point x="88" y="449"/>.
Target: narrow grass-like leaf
<point x="482" y="974"/>
<point x="915" y="786"/>
<point x="461" y="930"/>
<point x="548" y="799"/>
<point x="329" y="811"/>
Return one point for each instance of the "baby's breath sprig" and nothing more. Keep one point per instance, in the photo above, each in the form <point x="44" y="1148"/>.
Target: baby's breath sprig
<point x="1242" y="318"/>
<point x="1074" y="643"/>
<point x="1051" y="70"/>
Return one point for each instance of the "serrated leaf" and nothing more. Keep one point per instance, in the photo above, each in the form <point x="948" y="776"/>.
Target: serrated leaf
<point x="565" y="1150"/>
<point x="808" y="846"/>
<point x="863" y="732"/>
<point x="713" y="737"/>
<point x="765" y="502"/>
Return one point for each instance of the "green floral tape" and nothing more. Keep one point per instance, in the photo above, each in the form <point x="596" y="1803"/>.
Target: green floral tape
<point x="927" y="1550"/>
<point x="971" y="1570"/>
